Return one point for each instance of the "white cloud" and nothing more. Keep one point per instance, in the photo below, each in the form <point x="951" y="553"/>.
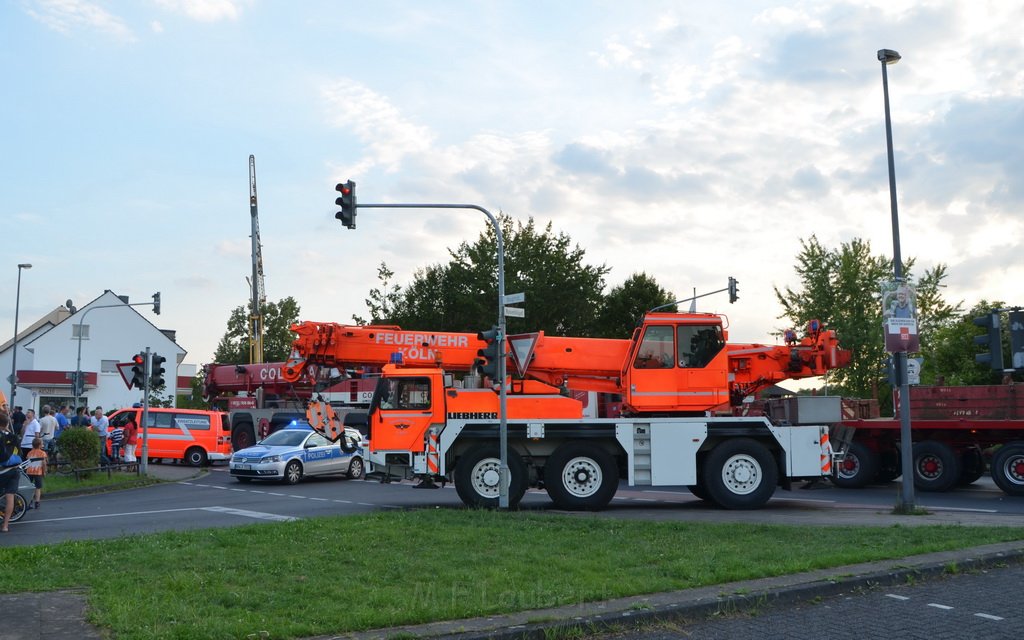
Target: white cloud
<point x="206" y="10"/>
<point x="67" y="16"/>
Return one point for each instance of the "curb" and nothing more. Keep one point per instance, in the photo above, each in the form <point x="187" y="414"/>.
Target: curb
<point x="702" y="602"/>
<point x="143" y="481"/>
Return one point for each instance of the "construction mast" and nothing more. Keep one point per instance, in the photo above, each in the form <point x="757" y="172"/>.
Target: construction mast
<point x="256" y="285"/>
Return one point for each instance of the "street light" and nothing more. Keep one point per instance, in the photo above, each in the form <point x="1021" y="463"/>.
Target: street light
<point x="14" y="351"/>
<point x="906" y="502"/>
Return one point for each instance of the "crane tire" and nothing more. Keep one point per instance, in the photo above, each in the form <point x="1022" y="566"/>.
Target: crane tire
<point x="580" y="476"/>
<point x="740" y="474"/>
<point x="477" y="475"/>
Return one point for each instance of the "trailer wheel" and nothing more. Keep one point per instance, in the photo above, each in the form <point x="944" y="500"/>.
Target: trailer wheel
<point x="972" y="466"/>
<point x="242" y="436"/>
<point x="857" y="469"/>
<point x="477" y="475"/>
<point x="889" y="467"/>
<point x="740" y="474"/>
<point x="1008" y="468"/>
<point x="936" y="466"/>
<point x="581" y="477"/>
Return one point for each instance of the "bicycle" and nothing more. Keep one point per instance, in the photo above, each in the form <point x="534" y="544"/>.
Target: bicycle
<point x="23" y="497"/>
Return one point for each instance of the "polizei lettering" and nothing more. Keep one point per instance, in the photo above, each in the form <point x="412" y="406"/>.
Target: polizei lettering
<point x="422" y="346"/>
<point x="473" y="415"/>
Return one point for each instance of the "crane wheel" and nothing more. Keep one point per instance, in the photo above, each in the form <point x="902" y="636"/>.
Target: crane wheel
<point x="740" y="474"/>
<point x="581" y="477"/>
<point x="477" y="474"/>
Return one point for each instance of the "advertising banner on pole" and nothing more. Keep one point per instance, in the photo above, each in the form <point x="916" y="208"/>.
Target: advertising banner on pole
<point x="899" y="318"/>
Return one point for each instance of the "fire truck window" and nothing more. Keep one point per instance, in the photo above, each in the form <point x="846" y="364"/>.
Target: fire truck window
<point x="699" y="344"/>
<point x="656" y="349"/>
<point x="406" y="393"/>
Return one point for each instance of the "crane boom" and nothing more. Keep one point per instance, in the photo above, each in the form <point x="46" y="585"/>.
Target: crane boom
<point x="256" y="285"/>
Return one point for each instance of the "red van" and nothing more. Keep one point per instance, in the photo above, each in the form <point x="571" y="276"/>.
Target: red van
<point x="193" y="436"/>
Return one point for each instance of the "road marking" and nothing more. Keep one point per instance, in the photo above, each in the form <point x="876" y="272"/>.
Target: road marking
<point x="939" y="606"/>
<point x="988" y="617"/>
<point x="893" y="595"/>
<point x="774" y="499"/>
<point x="114" y="515"/>
<point x="962" y="509"/>
<point x="321" y="499"/>
<point x="259" y="515"/>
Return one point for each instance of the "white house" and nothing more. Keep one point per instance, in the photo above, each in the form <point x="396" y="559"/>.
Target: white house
<point x="93" y="340"/>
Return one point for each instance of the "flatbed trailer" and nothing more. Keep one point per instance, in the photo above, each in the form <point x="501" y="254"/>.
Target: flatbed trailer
<point x="956" y="433"/>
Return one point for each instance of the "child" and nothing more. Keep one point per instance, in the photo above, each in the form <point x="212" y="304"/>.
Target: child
<point x="36" y="468"/>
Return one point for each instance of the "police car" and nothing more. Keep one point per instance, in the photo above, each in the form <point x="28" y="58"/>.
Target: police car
<point x="296" y="451"/>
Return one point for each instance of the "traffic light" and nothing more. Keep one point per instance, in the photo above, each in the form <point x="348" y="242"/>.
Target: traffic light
<point x="156" y="303"/>
<point x="77" y="383"/>
<point x="734" y="290"/>
<point x="1017" y="339"/>
<point x="487" y="363"/>
<point x="992" y="339"/>
<point x="139" y="370"/>
<point x="156" y="378"/>
<point x="347" y="202"/>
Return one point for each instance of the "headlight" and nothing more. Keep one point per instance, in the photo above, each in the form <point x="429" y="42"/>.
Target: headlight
<point x="271" y="459"/>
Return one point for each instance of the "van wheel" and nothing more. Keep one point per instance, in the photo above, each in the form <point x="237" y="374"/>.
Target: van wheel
<point x="195" y="457"/>
<point x="292" y="472"/>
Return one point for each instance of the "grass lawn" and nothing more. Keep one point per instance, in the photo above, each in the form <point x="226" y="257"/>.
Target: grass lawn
<point x="55" y="483"/>
<point x="337" y="574"/>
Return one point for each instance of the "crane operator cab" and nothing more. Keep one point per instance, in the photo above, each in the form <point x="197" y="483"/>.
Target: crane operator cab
<point x="678" y="365"/>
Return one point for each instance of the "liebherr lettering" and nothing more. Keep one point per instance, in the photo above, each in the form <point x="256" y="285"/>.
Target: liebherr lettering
<point x="420" y="346"/>
<point x="473" y="415"/>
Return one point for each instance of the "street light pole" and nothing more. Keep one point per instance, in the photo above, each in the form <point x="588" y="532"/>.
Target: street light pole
<point x="504" y="479"/>
<point x="14" y="350"/>
<point x="906" y="498"/>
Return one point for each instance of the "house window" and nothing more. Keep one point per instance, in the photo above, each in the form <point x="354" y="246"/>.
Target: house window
<point x="79" y="332"/>
<point x="108" y="366"/>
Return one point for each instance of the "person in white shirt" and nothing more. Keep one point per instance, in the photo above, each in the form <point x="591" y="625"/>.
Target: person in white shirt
<point x="29" y="433"/>
<point x="48" y="427"/>
<point x="101" y="425"/>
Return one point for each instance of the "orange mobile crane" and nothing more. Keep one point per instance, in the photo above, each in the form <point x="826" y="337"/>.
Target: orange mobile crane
<point x="677" y="377"/>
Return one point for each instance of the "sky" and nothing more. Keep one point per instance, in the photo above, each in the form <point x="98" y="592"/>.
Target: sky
<point x="691" y="141"/>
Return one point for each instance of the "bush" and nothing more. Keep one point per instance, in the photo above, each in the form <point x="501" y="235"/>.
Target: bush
<point x="81" y="446"/>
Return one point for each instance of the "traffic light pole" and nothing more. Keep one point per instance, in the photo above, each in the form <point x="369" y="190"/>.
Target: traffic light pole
<point x="502" y="364"/>
<point x="144" y="463"/>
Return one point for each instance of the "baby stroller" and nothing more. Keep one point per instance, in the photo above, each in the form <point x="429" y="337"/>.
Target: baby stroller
<point x="26" y="490"/>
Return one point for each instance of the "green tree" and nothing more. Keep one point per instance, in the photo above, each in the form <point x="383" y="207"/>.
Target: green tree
<point x="278" y="317"/>
<point x="563" y="293"/>
<point x="625" y="304"/>
<point x="841" y="288"/>
<point x="949" y="356"/>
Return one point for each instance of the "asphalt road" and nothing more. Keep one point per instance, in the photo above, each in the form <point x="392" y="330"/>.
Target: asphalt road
<point x="983" y="605"/>
<point x="217" y="500"/>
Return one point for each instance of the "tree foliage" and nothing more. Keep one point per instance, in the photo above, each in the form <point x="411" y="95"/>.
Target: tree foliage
<point x="278" y="317"/>
<point x="841" y="287"/>
<point x="949" y="358"/>
<point x="625" y="305"/>
<point x="563" y="293"/>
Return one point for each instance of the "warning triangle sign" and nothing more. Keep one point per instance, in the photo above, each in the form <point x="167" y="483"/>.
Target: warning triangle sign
<point x="521" y="346"/>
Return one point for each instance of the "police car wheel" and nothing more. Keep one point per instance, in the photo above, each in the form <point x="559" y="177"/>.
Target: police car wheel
<point x="356" y="469"/>
<point x="292" y="472"/>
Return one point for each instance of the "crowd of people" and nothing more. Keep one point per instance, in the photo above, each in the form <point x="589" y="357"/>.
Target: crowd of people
<point x="24" y="436"/>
